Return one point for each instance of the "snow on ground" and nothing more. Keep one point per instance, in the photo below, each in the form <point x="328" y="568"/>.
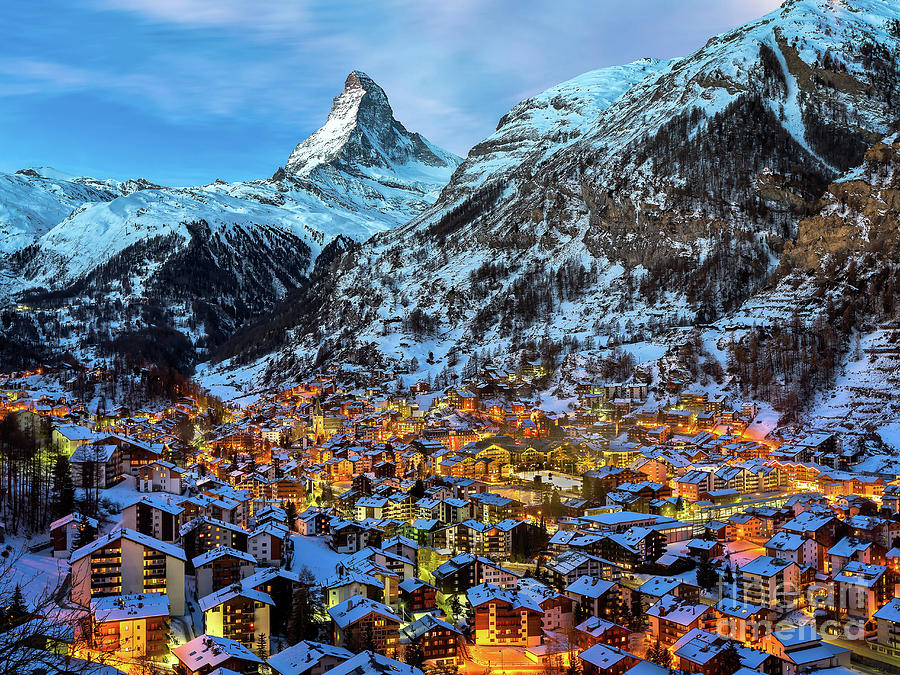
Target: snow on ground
<point x="314" y="553"/>
<point x="36" y="573"/>
<point x="556" y="479"/>
<point x="742" y="552"/>
<point x="890" y="434"/>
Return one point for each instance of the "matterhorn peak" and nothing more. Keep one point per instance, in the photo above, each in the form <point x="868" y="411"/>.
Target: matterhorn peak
<point x="361" y="133"/>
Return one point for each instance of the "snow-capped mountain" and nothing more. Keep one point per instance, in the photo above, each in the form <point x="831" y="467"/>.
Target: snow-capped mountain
<point x="618" y="203"/>
<point x="209" y="258"/>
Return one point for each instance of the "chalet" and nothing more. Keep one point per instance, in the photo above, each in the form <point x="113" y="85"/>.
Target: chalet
<point x="207" y="653"/>
<point x="308" y="658"/>
<point x="859" y="589"/>
<point x="593" y="631"/>
<point x="769" y="582"/>
<point x="266" y="543"/>
<point x="439" y="639"/>
<point x="701" y="651"/>
<point x="220" y="567"/>
<point x="569" y="566"/>
<point x="705" y="549"/>
<point x="602" y="659"/>
<point x="598" y="597"/>
<point x="656" y="587"/>
<point x="349" y="536"/>
<point x="313" y="521"/>
<point x="417" y="595"/>
<point x="70" y="532"/>
<point x="238" y="613"/>
<point x="794" y="547"/>
<point x="671" y="618"/>
<point x="204" y="534"/>
<point x="851" y="549"/>
<point x="887" y="620"/>
<point x="160" y="476"/>
<point x="131" y="626"/>
<point x="742" y="526"/>
<point x="154" y="516"/>
<point x="95" y="465"/>
<point x="359" y="621"/>
<point x="69" y="437"/>
<point x="802" y="650"/>
<point x="741" y="621"/>
<point x="504" y="616"/>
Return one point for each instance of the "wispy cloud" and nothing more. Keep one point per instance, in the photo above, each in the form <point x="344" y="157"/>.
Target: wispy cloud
<point x="268" y="68"/>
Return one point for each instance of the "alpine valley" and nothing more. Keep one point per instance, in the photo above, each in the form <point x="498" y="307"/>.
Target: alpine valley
<point x="727" y="217"/>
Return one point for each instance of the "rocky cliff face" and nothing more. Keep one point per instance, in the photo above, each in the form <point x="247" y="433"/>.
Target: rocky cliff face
<point x="598" y="211"/>
<point x="844" y="263"/>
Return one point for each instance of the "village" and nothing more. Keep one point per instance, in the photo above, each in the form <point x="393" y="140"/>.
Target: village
<point x="330" y="528"/>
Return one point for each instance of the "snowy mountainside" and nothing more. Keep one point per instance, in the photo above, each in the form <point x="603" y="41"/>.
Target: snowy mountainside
<point x="214" y="256"/>
<point x="672" y="204"/>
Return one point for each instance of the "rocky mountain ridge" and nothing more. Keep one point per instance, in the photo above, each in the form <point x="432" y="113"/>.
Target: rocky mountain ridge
<point x="196" y="263"/>
<point x="670" y="205"/>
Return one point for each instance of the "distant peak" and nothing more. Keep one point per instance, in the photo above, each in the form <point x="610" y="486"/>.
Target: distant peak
<point x="361" y="132"/>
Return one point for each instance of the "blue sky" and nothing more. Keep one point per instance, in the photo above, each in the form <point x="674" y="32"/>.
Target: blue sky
<point x="187" y="91"/>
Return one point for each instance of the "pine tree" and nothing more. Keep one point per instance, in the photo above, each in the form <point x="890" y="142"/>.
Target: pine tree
<point x="728" y="661"/>
<point x="262" y="646"/>
<point x="706" y="575"/>
<point x="327" y="495"/>
<point x="417" y="491"/>
<point x="18" y="609"/>
<point x="455" y="608"/>
<point x="306" y="607"/>
<point x="63" y="487"/>
<point x="291" y="510"/>
<point x="659" y="655"/>
<point x="414" y="655"/>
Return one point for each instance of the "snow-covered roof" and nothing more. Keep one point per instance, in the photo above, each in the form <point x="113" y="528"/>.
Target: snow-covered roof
<point x="78" y="518"/>
<point x="765" y="566"/>
<point x="238" y="590"/>
<point x="131" y="535"/>
<point x="210" y="650"/>
<point x="353" y="609"/>
<point x="590" y="587"/>
<point x="604" y="656"/>
<point x="306" y="654"/>
<point x="129" y="607"/>
<point x="678" y="611"/>
<point x="890" y="611"/>
<point x="370" y="663"/>
<point x="220" y="552"/>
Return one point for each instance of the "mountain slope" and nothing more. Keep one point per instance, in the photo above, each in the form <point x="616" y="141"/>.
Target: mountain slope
<point x="209" y="258"/>
<point x="672" y="204"/>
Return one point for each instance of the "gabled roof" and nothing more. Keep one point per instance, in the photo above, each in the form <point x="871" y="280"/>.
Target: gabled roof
<point x="590" y="587"/>
<point x="604" y="656"/>
<point x="129" y="607"/>
<point x="370" y="663"/>
<point x="304" y="655"/>
<point x="210" y="650"/>
<point x="765" y="566"/>
<point x="479" y="595"/>
<point x="130" y="535"/>
<point x="221" y="552"/>
<point x="353" y="609"/>
<point x="216" y="598"/>
<point x="678" y="611"/>
<point x="425" y="624"/>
